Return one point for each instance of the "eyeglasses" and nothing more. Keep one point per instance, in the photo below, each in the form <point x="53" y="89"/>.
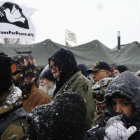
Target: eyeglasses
<point x="98" y="96"/>
<point x="53" y="67"/>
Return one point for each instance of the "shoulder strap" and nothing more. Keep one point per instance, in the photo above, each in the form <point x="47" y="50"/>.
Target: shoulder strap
<point x="9" y="117"/>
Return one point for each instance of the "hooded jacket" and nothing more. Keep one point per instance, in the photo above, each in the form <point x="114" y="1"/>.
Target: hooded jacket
<point x="67" y="65"/>
<point x="72" y="80"/>
<point x="125" y="85"/>
<point x="65" y="61"/>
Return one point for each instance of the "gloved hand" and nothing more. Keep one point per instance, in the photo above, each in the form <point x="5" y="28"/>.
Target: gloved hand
<point x="115" y="129"/>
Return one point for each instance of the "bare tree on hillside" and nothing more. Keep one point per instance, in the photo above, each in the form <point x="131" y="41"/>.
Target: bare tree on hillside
<point x="15" y="41"/>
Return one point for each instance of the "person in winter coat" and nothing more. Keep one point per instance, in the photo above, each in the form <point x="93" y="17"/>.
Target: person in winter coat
<point x="123" y="103"/>
<point x="119" y="69"/>
<point x="62" y="119"/>
<point x="70" y="79"/>
<point x="12" y="115"/>
<point x="98" y="95"/>
<point x="24" y="75"/>
<point x="99" y="71"/>
<point x="47" y="81"/>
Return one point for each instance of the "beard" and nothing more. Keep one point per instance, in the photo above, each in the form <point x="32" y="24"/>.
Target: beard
<point x="48" y="89"/>
<point x="56" y="75"/>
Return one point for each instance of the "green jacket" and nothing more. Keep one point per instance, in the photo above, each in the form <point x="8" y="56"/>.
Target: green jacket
<point x="82" y="85"/>
<point x="12" y="117"/>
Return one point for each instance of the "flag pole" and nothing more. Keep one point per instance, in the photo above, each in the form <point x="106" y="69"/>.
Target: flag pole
<point x="119" y="40"/>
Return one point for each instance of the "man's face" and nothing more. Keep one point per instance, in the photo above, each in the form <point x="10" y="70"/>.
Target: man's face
<point x="100" y="106"/>
<point x="99" y="75"/>
<point x="116" y="73"/>
<point x="54" y="70"/>
<point x="46" y="85"/>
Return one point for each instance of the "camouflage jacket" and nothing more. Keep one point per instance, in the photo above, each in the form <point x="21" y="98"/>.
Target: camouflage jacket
<point x="98" y="115"/>
<point x="12" y="116"/>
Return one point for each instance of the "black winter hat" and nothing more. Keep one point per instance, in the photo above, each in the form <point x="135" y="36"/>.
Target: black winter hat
<point x="121" y="68"/>
<point x="62" y="119"/>
<point x="83" y="68"/>
<point x="98" y="66"/>
<point x="46" y="73"/>
<point x="5" y="73"/>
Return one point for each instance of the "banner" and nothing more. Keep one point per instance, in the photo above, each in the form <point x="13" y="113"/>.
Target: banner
<point x="71" y="39"/>
<point x="15" y="21"/>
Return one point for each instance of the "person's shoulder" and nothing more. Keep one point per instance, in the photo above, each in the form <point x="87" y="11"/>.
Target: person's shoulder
<point x="81" y="77"/>
<point x="41" y="94"/>
<point x="16" y="130"/>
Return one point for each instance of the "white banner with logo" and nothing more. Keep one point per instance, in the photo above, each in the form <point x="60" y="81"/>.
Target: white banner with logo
<point x="71" y="39"/>
<point x="15" y="21"/>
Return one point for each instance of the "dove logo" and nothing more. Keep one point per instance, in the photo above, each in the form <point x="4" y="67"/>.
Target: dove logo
<point x="11" y="13"/>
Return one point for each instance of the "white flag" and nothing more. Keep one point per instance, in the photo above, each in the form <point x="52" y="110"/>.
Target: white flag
<point x="15" y="21"/>
<point x="71" y="39"/>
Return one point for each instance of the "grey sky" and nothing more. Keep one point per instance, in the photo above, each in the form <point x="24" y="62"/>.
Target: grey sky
<point x="89" y="19"/>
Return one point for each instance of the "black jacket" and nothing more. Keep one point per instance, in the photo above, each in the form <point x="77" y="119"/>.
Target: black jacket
<point x="62" y="119"/>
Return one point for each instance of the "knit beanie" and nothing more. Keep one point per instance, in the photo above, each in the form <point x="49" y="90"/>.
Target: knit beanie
<point x="121" y="68"/>
<point x="83" y="68"/>
<point x="62" y="119"/>
<point x="5" y="73"/>
<point x="46" y="73"/>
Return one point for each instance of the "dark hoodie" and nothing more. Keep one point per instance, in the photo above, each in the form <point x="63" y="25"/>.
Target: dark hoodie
<point x="67" y="65"/>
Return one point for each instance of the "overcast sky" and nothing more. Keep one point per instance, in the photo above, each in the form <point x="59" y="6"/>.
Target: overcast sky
<point x="89" y="19"/>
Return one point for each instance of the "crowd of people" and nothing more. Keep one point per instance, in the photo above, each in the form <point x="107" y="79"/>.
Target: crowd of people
<point x="67" y="101"/>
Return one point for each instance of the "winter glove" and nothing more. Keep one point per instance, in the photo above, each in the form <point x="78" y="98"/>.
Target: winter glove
<point x="14" y="97"/>
<point x="115" y="129"/>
